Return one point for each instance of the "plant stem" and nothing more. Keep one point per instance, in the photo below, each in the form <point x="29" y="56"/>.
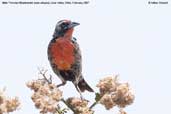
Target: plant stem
<point x="94" y="104"/>
<point x="68" y="105"/>
<point x="59" y="112"/>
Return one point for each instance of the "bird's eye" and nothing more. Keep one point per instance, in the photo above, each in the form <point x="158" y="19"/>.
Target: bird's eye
<point x="64" y="25"/>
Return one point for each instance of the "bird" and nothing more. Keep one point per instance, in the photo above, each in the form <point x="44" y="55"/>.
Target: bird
<point x="65" y="57"/>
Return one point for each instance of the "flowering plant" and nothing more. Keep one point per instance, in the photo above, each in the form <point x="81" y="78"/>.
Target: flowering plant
<point x="47" y="97"/>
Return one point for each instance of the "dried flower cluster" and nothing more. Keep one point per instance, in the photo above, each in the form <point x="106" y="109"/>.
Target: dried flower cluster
<point x="46" y="96"/>
<point x="8" y="104"/>
<point x="79" y="106"/>
<point x="121" y="111"/>
<point x="114" y="93"/>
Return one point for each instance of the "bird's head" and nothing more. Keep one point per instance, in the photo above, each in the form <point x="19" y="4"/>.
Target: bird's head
<point x="63" y="27"/>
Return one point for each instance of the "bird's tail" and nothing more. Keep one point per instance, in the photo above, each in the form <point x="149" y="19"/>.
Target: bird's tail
<point x="84" y="86"/>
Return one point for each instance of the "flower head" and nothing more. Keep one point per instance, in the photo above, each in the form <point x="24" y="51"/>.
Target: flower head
<point x="46" y="96"/>
<point x="107" y="101"/>
<point x="113" y="93"/>
<point x="107" y="84"/>
<point x="124" y="95"/>
<point x="8" y="104"/>
<point x="79" y="105"/>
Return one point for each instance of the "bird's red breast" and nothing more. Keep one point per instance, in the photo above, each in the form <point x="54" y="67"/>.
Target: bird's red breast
<point x="62" y="53"/>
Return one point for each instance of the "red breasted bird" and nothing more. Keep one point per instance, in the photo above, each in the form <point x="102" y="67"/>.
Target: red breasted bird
<point x="65" y="57"/>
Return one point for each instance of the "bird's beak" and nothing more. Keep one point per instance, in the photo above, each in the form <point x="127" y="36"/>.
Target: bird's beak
<point x="73" y="24"/>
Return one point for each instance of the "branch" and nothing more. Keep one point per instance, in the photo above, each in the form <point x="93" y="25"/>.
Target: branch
<point x="43" y="73"/>
<point x="63" y="100"/>
<point x="97" y="99"/>
<point x="59" y="112"/>
<point x="94" y="104"/>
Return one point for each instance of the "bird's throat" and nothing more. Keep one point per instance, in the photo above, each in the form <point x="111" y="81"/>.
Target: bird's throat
<point x="68" y="34"/>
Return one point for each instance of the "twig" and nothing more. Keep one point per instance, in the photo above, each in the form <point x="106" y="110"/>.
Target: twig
<point x="94" y="104"/>
<point x="49" y="81"/>
<point x="50" y="78"/>
<point x="59" y="112"/>
<point x="68" y="105"/>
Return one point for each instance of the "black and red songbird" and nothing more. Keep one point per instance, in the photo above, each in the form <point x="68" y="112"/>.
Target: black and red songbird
<point x="65" y="57"/>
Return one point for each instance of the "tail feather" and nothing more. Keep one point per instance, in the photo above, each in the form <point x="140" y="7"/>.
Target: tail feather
<point x="84" y="86"/>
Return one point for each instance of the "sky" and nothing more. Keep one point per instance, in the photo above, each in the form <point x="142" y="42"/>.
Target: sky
<point x="130" y="38"/>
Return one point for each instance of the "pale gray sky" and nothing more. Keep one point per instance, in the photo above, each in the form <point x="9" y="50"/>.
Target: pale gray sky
<point x="130" y="38"/>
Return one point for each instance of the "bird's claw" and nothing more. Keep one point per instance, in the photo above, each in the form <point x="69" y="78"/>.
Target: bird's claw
<point x="62" y="84"/>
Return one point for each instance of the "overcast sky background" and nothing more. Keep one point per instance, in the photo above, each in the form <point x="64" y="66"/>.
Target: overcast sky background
<point x="130" y="38"/>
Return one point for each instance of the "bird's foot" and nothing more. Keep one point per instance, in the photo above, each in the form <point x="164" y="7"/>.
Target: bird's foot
<point x="81" y="97"/>
<point x="62" y="84"/>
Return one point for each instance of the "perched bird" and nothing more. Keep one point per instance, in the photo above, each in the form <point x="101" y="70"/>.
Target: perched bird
<point x="65" y="57"/>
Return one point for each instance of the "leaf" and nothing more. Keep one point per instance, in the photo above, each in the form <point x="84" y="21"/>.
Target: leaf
<point x="98" y="97"/>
